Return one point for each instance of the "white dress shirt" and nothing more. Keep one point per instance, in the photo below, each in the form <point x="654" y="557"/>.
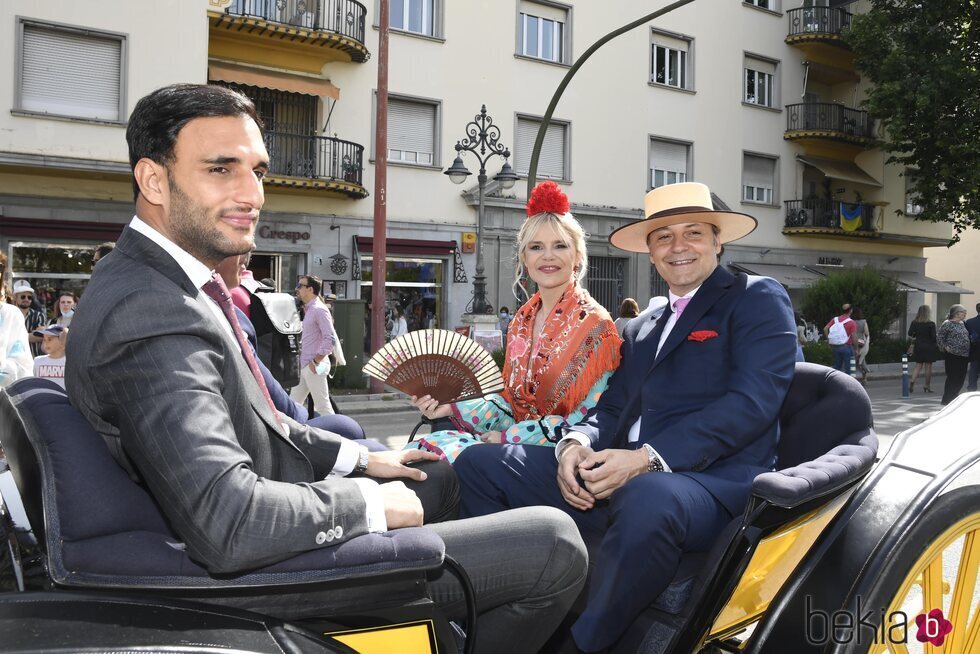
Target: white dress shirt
<point x="634" y="433"/>
<point x="200" y="274"/>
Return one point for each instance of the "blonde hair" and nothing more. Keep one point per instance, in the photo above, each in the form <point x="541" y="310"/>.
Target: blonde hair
<point x="571" y="233"/>
<point x="924" y="314"/>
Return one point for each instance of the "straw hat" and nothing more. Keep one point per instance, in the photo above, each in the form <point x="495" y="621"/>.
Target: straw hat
<point x="687" y="202"/>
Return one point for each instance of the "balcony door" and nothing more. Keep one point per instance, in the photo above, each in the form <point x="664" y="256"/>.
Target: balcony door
<point x="290" y="121"/>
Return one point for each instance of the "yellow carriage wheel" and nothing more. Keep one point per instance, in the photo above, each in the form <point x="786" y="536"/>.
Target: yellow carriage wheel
<point x="944" y="549"/>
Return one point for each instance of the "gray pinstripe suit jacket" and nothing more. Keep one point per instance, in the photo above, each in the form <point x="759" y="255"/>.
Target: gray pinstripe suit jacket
<point x="166" y="386"/>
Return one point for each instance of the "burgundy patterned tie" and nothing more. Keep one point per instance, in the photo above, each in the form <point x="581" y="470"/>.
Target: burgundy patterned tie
<point x="218" y="292"/>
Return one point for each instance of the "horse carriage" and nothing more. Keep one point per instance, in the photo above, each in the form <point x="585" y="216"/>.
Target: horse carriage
<point x="836" y="552"/>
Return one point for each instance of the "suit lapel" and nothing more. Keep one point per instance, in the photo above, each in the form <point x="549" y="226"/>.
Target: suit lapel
<point x="712" y="289"/>
<point x="142" y="249"/>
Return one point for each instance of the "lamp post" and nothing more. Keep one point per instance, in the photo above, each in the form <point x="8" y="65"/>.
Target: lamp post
<point x="482" y="139"/>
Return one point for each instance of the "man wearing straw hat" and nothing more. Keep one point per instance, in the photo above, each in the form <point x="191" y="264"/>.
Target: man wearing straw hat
<point x="667" y="458"/>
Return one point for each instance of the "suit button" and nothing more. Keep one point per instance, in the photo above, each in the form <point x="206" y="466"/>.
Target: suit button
<point x="339" y="531"/>
<point x="330" y="535"/>
<point x="321" y="538"/>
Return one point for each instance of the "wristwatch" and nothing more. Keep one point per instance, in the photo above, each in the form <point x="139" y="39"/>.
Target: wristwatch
<point x="362" y="461"/>
<point x="654" y="464"/>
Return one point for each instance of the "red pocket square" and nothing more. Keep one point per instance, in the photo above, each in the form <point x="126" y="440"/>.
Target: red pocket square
<point x="702" y="335"/>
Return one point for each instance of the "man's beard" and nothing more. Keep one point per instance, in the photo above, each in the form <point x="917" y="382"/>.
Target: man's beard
<point x="194" y="230"/>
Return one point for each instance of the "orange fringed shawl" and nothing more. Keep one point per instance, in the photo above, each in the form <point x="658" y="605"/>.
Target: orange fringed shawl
<point x="577" y="346"/>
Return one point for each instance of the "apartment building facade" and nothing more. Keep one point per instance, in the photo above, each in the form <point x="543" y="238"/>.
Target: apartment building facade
<point x="757" y="99"/>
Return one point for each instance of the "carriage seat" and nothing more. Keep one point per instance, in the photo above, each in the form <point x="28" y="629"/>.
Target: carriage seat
<point x="102" y="530"/>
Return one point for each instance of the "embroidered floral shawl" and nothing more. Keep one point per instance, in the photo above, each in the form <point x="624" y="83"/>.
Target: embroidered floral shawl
<point x="577" y="346"/>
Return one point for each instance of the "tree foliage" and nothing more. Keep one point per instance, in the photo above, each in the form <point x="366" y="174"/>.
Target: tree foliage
<point x="877" y="296"/>
<point x="923" y="57"/>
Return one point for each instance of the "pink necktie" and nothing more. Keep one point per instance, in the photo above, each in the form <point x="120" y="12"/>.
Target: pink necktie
<point x="679" y="306"/>
<point x="217" y="291"/>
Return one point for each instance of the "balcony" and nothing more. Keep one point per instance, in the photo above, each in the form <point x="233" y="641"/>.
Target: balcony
<point x="315" y="164"/>
<point x="292" y="34"/>
<point x="817" y="123"/>
<point x="818" y="32"/>
<point x="830" y="217"/>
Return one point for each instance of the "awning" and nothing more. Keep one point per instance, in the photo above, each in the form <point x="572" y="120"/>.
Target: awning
<point x="408" y="246"/>
<point x="922" y="283"/>
<point x="846" y="171"/>
<point x="787" y="275"/>
<point x="267" y="79"/>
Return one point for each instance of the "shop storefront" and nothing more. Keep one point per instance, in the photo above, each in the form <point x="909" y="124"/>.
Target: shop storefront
<point x="54" y="256"/>
<point x="415" y="279"/>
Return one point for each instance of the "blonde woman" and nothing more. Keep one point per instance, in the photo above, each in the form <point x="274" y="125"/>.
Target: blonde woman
<point x="562" y="346"/>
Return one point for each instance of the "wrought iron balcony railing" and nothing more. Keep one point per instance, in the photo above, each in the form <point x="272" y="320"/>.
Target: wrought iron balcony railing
<point x="818" y="20"/>
<point x="345" y="17"/>
<point x="829" y="116"/>
<point x="314" y="157"/>
<point x="828" y="214"/>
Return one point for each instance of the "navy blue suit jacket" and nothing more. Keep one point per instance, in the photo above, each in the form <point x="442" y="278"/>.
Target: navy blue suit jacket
<point x="709" y="407"/>
<point x="973" y="326"/>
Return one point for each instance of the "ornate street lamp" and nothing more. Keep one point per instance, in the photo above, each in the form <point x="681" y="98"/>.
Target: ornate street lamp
<point x="482" y="139"/>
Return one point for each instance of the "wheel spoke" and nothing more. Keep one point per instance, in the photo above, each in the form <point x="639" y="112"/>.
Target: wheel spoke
<point x="966" y="582"/>
<point x="932" y="591"/>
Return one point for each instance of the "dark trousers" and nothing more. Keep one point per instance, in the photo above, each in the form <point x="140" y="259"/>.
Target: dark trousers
<point x="955" y="376"/>
<point x="971" y="384"/>
<point x="642" y="530"/>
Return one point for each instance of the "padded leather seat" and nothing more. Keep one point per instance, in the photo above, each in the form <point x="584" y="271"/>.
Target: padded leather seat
<point x="100" y="529"/>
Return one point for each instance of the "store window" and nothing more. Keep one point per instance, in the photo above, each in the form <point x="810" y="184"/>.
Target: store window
<point x="52" y="269"/>
<point x="415" y="285"/>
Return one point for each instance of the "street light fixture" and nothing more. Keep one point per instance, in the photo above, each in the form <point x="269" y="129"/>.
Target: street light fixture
<point x="482" y="140"/>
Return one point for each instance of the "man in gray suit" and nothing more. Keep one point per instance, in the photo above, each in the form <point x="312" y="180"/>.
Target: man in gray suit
<point x="159" y="369"/>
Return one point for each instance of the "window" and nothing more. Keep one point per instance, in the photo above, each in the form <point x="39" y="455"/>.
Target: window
<point x="669" y="162"/>
<point x="412" y="130"/>
<point x="758" y="178"/>
<point x="763" y="4"/>
<point x="542" y="30"/>
<point x="553" y="160"/>
<point x="912" y="206"/>
<point x="760" y="82"/>
<point x="669" y="61"/>
<point x="417" y="16"/>
<point x="65" y="71"/>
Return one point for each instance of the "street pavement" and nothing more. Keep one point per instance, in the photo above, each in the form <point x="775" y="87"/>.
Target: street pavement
<point x="391" y="420"/>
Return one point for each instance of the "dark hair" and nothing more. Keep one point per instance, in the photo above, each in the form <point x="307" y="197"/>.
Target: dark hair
<point x="313" y="282"/>
<point x="103" y="249"/>
<point x="856" y="313"/>
<point x="629" y="308"/>
<point x="158" y="118"/>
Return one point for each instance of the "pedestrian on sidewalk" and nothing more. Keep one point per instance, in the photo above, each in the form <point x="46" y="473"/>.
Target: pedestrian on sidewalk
<point x="840" y="333"/>
<point x="973" y="327"/>
<point x="924" y="350"/>
<point x="862" y="335"/>
<point x="954" y="341"/>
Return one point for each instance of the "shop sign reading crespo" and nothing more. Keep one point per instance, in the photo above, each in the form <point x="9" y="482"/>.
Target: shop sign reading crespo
<point x="291" y="233"/>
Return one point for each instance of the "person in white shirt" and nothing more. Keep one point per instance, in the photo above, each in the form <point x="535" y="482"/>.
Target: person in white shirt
<point x="15" y="350"/>
<point x="51" y="364"/>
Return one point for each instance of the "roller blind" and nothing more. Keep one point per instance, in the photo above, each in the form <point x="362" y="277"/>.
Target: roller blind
<point x="71" y="74"/>
<point x="551" y="161"/>
<point x="760" y="65"/>
<point x="758" y="171"/>
<point x="668" y="156"/>
<point x="411" y="127"/>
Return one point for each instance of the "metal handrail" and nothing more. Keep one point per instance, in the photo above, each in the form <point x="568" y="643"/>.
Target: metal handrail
<point x="314" y="157"/>
<point x="825" y="214"/>
<point x="818" y="20"/>
<point x="829" y="116"/>
<point x="345" y="17"/>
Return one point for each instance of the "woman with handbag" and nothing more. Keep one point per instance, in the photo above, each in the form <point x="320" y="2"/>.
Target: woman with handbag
<point x="923" y="350"/>
<point x="954" y="340"/>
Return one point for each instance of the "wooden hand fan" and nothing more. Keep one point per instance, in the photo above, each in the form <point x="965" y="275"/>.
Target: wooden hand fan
<point x="446" y="365"/>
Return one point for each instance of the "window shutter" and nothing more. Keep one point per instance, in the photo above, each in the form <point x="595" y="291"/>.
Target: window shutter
<point x="758" y="171"/>
<point x="70" y="74"/>
<point x="411" y="126"/>
<point x="668" y="156"/>
<point x="760" y="65"/>
<point x="551" y="161"/>
<point x="544" y="11"/>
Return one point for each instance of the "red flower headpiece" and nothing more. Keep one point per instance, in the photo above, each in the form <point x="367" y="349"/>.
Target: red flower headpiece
<point x="547" y="197"/>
